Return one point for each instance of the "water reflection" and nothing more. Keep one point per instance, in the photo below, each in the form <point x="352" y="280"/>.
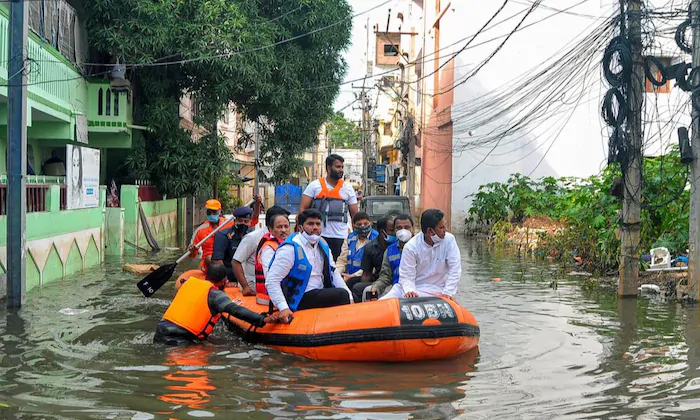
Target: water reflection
<point x="81" y="349"/>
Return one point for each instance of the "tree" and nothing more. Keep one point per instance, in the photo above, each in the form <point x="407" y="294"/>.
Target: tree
<point x="344" y="134"/>
<point x="278" y="61"/>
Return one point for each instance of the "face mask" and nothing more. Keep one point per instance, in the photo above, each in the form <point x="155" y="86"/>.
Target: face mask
<point x="214" y="218"/>
<point x="363" y="231"/>
<point x="404" y="235"/>
<point x="312" y="239"/>
<point x="391" y="239"/>
<point x="436" y="239"/>
<point x="241" y="229"/>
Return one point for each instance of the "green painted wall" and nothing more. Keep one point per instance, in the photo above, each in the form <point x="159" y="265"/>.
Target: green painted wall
<point x="164" y="231"/>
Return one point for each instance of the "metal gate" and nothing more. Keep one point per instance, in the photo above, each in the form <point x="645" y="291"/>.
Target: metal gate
<point x="288" y="196"/>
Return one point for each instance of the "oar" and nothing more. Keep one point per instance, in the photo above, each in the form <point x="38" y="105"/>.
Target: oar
<point x="156" y="279"/>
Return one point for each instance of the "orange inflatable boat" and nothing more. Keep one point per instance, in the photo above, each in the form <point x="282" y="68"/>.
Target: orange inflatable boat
<point x="392" y="330"/>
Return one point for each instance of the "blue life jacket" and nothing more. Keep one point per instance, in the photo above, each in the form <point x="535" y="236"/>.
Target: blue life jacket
<point x="393" y="254"/>
<point x="294" y="285"/>
<point x="354" y="254"/>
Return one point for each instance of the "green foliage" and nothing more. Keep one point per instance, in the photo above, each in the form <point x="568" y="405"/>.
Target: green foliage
<point x="344" y="134"/>
<point x="222" y="52"/>
<point x="590" y="214"/>
<point x="229" y="200"/>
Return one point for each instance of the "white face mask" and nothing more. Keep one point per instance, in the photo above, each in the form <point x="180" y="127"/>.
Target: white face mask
<point x="312" y="239"/>
<point x="404" y="235"/>
<point x="436" y="239"/>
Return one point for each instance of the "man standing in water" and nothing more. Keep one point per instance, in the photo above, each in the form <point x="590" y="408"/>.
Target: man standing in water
<point x="198" y="306"/>
<point x="430" y="261"/>
<point x="334" y="199"/>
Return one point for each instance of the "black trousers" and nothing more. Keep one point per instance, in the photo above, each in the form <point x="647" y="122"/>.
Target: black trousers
<point x="324" y="298"/>
<point x="357" y="286"/>
<point x="336" y="245"/>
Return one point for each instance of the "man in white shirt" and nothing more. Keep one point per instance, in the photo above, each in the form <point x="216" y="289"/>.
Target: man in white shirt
<point x="302" y="274"/>
<point x="334" y="199"/>
<point x="243" y="262"/>
<point x="430" y="261"/>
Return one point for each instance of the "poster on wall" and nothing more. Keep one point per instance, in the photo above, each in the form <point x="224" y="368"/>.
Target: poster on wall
<point x="82" y="177"/>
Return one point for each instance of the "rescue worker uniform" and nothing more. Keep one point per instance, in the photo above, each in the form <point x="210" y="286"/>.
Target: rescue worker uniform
<point x="302" y="275"/>
<point x="194" y="312"/>
<point x="227" y="240"/>
<point x="333" y="203"/>
<point x="389" y="273"/>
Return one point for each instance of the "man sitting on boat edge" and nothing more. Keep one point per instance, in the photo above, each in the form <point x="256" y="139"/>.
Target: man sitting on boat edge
<point x="302" y="274"/>
<point x="430" y="261"/>
<point x="198" y="306"/>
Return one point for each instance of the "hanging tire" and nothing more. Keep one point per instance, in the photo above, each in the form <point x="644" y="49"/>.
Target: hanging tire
<point x="612" y="118"/>
<point x="680" y="37"/>
<point x="682" y="77"/>
<point x="648" y="61"/>
<point x="617" y="47"/>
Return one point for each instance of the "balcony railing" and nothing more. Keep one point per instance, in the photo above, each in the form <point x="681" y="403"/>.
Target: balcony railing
<point x="37" y="195"/>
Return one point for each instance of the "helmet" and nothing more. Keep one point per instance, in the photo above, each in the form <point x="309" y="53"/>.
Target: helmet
<point x="213" y="204"/>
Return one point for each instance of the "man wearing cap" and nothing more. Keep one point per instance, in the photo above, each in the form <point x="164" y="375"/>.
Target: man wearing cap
<point x="214" y="217"/>
<point x="227" y="240"/>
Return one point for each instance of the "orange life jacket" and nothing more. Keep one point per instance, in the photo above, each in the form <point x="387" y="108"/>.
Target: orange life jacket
<point x="261" y="296"/>
<point x="190" y="308"/>
<point x="330" y="203"/>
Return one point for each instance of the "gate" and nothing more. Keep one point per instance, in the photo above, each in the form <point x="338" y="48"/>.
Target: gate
<point x="288" y="196"/>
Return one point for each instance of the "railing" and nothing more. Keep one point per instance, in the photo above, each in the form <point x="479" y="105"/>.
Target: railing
<point x="148" y="191"/>
<point x="36" y="198"/>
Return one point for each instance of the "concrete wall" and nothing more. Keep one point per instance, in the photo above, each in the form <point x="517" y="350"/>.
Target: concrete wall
<point x="59" y="243"/>
<point x="162" y="217"/>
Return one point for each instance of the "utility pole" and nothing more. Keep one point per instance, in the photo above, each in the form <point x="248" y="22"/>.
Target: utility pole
<point x="256" y="164"/>
<point x="694" y="235"/>
<point x="631" y="207"/>
<point x="408" y="133"/>
<point x="17" y="155"/>
<point x="365" y="148"/>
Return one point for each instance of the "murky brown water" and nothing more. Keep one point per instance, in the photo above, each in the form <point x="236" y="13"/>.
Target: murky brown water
<point x="81" y="349"/>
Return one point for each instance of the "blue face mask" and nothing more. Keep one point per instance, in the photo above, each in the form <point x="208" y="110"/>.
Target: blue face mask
<point x="214" y="218"/>
<point x="391" y="239"/>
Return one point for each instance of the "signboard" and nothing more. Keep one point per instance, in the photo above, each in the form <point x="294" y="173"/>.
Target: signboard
<point x="418" y="310"/>
<point x="81" y="129"/>
<point x="82" y="177"/>
<point x="380" y="170"/>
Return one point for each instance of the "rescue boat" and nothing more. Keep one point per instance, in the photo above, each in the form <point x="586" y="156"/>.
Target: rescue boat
<point x="392" y="330"/>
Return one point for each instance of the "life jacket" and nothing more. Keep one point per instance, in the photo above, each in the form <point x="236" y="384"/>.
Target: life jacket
<point x="393" y="254"/>
<point x="190" y="308"/>
<point x="354" y="254"/>
<point x="330" y="203"/>
<point x="294" y="285"/>
<point x="261" y="296"/>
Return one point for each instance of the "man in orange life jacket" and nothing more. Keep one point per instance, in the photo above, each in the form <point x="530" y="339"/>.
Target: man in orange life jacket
<point x="278" y="231"/>
<point x="302" y="274"/>
<point x="214" y="217"/>
<point x="334" y="199"/>
<point x="198" y="306"/>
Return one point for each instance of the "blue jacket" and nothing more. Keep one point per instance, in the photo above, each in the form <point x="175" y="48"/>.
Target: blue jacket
<point x="393" y="254"/>
<point x="294" y="285"/>
<point x="354" y="254"/>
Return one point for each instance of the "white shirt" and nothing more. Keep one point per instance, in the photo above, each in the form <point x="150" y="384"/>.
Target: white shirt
<point x="284" y="261"/>
<point x="266" y="255"/>
<point x="334" y="229"/>
<point x="430" y="269"/>
<point x="245" y="253"/>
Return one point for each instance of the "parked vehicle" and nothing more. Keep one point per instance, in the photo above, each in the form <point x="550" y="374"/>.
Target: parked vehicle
<point x="378" y="206"/>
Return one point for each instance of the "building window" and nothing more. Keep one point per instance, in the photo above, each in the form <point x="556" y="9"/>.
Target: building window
<point x="665" y="88"/>
<point x="387" y="129"/>
<point x="388" y="48"/>
<point x="391" y="50"/>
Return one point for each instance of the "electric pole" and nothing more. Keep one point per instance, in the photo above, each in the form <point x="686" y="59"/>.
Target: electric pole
<point x="17" y="155"/>
<point x="256" y="164"/>
<point x="631" y="207"/>
<point x="694" y="235"/>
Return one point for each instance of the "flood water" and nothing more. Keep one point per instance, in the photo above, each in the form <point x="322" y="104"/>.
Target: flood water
<point x="81" y="349"/>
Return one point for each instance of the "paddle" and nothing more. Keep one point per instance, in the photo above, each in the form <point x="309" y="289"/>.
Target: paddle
<point x="156" y="279"/>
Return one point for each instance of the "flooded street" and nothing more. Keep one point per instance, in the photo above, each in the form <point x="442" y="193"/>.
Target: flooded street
<point x="81" y="349"/>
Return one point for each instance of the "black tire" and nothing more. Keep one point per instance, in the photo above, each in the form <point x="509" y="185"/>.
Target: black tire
<point x="648" y="61"/>
<point x="682" y="77"/>
<point x="680" y="37"/>
<point x="608" y="112"/>
<point x="617" y="46"/>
